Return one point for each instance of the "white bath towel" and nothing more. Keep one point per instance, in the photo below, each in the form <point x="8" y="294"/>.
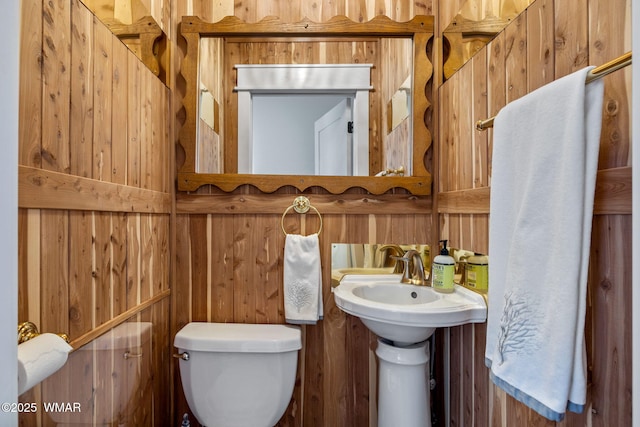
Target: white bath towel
<point x="302" y="279"/>
<point x="545" y="155"/>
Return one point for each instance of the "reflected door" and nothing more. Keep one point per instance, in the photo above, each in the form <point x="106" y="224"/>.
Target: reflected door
<point x="333" y="141"/>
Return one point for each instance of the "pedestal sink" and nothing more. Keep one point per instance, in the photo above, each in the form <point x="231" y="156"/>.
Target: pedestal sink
<point x="403" y="317"/>
<point x="406" y="314"/>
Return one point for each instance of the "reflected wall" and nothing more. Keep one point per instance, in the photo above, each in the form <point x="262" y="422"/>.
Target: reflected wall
<point x="116" y="379"/>
<point x="94" y="119"/>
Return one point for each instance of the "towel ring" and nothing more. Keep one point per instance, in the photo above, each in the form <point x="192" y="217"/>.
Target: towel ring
<point x="301" y="205"/>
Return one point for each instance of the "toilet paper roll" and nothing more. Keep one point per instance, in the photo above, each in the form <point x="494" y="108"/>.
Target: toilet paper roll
<point x="40" y="357"/>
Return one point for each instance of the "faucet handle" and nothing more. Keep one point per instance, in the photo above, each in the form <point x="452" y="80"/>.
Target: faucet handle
<point x="407" y="258"/>
<point x="405" y="270"/>
<point x="417" y="276"/>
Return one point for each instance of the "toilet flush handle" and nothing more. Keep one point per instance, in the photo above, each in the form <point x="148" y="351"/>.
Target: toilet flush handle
<point x="183" y="356"/>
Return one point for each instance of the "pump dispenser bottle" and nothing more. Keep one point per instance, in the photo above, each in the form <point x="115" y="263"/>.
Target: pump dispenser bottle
<point x="442" y="270"/>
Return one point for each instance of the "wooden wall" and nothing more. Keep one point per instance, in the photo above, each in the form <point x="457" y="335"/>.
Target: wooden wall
<point x="551" y="39"/>
<point x="230" y="268"/>
<point x="229" y="245"/>
<point x="229" y="250"/>
<point x="95" y="197"/>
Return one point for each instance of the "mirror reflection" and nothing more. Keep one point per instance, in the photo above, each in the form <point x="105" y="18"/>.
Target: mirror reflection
<point x="314" y="116"/>
<point x="372" y="258"/>
<point x="347" y="112"/>
<point x="141" y="26"/>
<point x="399" y="107"/>
<point x="311" y="131"/>
<point x="120" y="360"/>
<point x="471" y="268"/>
<point x="475" y="25"/>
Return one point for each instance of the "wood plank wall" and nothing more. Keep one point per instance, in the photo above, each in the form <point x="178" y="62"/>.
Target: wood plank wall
<point x="229" y="249"/>
<point x="230" y="269"/>
<point x="95" y="197"/>
<point x="551" y="39"/>
<point x="86" y="218"/>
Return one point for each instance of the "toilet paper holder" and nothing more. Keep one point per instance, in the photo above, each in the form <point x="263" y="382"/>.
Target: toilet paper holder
<point x="28" y="330"/>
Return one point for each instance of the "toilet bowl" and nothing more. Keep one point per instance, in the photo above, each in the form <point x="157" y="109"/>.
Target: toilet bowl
<point x="238" y="374"/>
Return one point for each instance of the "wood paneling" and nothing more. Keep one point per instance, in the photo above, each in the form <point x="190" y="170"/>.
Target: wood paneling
<point x="612" y="196"/>
<point x="93" y="254"/>
<point x="230" y="270"/>
<point x="39" y="188"/>
<point x="30" y="118"/>
<point x="55" y="78"/>
<point x="551" y="39"/>
<point x="94" y="199"/>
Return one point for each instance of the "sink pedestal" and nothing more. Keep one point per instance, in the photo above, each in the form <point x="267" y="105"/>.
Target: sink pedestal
<point x="403" y="392"/>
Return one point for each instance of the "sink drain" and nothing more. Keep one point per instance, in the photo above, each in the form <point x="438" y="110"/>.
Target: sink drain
<point x="414" y="295"/>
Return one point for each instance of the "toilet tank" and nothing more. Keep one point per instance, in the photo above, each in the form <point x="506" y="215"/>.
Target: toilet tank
<point x="238" y="374"/>
<point x="103" y="376"/>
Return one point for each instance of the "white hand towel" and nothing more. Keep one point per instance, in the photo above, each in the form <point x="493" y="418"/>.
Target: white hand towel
<point x="545" y="155"/>
<point x="302" y="279"/>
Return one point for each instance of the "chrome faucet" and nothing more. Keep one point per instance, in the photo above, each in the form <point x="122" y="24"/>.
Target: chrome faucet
<point x="415" y="275"/>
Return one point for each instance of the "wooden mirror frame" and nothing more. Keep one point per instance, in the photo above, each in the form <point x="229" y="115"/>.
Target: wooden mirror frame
<point x="419" y="29"/>
<point x="149" y="34"/>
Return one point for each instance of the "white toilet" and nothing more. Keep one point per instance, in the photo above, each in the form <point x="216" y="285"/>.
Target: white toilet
<point x="238" y="374"/>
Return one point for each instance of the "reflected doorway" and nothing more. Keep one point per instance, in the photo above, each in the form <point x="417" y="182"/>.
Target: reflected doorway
<point x="277" y="99"/>
<point x="302" y="134"/>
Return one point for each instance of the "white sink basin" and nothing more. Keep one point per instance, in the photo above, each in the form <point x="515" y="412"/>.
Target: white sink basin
<point x="406" y="314"/>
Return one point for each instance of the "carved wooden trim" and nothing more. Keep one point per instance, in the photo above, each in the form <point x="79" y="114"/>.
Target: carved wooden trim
<point x="418" y="185"/>
<point x="420" y="29"/>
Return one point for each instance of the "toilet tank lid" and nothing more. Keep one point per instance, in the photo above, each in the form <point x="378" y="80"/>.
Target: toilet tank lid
<point x="238" y="337"/>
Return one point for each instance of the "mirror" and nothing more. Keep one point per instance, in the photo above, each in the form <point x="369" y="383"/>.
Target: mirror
<point x="139" y="27"/>
<point x="471" y="269"/>
<point x="399" y="107"/>
<point x="366" y="258"/>
<point x="371" y="258"/>
<point x="211" y="156"/>
<point x="474" y="26"/>
<point x="318" y="114"/>
<point x="311" y="128"/>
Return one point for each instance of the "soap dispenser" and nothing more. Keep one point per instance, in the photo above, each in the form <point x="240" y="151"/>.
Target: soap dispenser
<point x="442" y="270"/>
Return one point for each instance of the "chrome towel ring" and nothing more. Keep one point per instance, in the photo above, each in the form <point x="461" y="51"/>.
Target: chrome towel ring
<point x="301" y="205"/>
